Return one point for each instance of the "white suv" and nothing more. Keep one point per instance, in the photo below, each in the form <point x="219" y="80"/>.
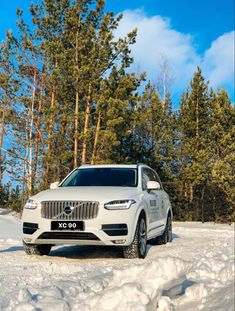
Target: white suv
<point x="118" y="205"/>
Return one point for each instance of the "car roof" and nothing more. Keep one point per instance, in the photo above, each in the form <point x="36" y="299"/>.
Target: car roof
<point x="109" y="166"/>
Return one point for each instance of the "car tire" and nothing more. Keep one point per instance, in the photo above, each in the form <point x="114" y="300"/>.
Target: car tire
<point x="138" y="247"/>
<point x="169" y="230"/>
<point x="167" y="234"/>
<point x="37" y="249"/>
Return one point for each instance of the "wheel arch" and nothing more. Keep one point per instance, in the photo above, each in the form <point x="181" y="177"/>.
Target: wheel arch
<point x="170" y="212"/>
<point x="141" y="212"/>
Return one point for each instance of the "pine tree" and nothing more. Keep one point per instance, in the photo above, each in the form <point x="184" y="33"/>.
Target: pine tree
<point x="222" y="146"/>
<point x="90" y="36"/>
<point x="194" y="117"/>
<point x="49" y="22"/>
<point x="118" y="95"/>
<point x="4" y="195"/>
<point x="30" y="71"/>
<point x="8" y="90"/>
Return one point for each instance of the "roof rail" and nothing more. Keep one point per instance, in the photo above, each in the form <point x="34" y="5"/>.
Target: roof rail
<point x="139" y="163"/>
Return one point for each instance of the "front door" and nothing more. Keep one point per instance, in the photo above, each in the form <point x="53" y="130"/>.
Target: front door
<point x="153" y="200"/>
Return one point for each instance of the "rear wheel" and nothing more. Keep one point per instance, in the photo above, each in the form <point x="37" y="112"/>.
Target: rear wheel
<point x="37" y="249"/>
<point x="137" y="249"/>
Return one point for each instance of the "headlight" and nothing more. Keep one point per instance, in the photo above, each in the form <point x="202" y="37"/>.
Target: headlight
<point x="31" y="204"/>
<point x="119" y="204"/>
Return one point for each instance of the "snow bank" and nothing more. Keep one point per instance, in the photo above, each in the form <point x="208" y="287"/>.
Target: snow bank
<point x="194" y="272"/>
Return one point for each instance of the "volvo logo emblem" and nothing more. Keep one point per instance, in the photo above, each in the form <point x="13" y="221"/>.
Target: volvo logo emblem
<point x="68" y="210"/>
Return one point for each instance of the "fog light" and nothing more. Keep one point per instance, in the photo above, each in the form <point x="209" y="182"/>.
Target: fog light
<point x="119" y="241"/>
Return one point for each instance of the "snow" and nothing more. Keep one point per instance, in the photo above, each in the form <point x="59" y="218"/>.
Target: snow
<point x="194" y="272"/>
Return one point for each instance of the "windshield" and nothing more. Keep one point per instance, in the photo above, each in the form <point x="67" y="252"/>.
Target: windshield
<point x="110" y="177"/>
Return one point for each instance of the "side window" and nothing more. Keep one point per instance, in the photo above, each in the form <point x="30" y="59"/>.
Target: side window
<point x="152" y="175"/>
<point x="157" y="179"/>
<point x="147" y="175"/>
<point x="145" y="179"/>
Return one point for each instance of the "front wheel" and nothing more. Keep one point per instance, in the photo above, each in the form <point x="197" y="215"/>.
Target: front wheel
<point x="37" y="249"/>
<point x="138" y="247"/>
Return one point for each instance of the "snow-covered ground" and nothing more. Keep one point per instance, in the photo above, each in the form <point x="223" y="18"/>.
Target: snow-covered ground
<point x="194" y="272"/>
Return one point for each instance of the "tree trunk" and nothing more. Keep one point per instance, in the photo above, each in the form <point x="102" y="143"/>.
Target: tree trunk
<point x="86" y="126"/>
<point x="30" y="153"/>
<point x="214" y="209"/>
<point x="75" y="157"/>
<point x="180" y="197"/>
<point x="164" y="91"/>
<point x="37" y="135"/>
<point x="190" y="193"/>
<point x="197" y="123"/>
<point x="186" y="195"/>
<point x="2" y="133"/>
<point x="96" y="139"/>
<point x="191" y="197"/>
<point x="60" y="166"/>
<point x="75" y="162"/>
<point x="202" y="203"/>
<point x="51" y="124"/>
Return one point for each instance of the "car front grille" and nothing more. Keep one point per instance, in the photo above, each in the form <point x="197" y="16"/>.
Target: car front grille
<point x="78" y="210"/>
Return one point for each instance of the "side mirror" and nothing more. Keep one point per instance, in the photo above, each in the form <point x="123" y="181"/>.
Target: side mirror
<point x="54" y="185"/>
<point x="153" y="185"/>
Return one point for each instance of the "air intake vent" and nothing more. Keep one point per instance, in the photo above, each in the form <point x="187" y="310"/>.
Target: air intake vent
<point x="68" y="236"/>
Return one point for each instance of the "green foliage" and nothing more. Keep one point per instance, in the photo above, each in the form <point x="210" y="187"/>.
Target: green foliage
<point x="10" y="198"/>
<point x="206" y="126"/>
<point x="4" y="195"/>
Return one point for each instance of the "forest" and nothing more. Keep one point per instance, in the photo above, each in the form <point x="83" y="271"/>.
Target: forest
<point x="69" y="96"/>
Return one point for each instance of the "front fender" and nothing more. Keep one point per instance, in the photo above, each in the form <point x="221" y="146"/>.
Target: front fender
<point x="141" y="209"/>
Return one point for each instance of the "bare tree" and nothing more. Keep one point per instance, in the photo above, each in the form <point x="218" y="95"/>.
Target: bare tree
<point x="164" y="79"/>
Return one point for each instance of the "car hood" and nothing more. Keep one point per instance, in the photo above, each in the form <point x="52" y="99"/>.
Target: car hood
<point x="100" y="194"/>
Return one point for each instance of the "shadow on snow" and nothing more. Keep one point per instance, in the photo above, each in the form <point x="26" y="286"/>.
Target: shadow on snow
<point x="83" y="252"/>
<point x="12" y="249"/>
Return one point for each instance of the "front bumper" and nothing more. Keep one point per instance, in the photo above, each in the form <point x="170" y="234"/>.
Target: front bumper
<point x="108" y="228"/>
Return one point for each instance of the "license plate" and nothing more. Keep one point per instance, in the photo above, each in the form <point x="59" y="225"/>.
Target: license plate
<point x="67" y="225"/>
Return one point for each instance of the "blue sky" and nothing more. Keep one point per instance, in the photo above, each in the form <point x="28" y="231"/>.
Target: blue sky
<point x="204" y="19"/>
<point x="185" y="33"/>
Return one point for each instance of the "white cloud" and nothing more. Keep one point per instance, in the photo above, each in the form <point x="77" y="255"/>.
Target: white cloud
<point x="218" y="61"/>
<point x="156" y="39"/>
